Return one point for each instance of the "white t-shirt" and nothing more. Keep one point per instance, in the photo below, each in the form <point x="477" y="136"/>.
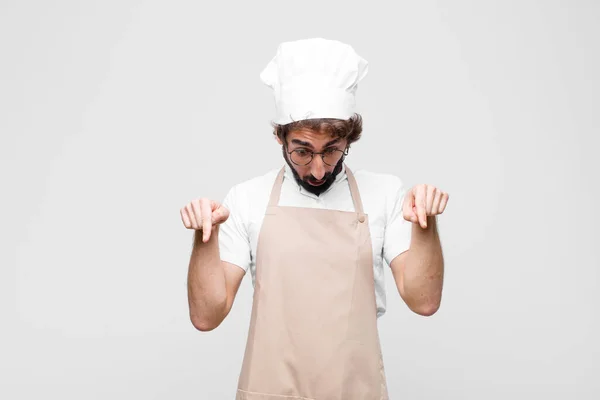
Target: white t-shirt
<point x="381" y="194"/>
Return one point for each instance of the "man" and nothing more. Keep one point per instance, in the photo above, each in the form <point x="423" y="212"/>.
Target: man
<point x="315" y="237"/>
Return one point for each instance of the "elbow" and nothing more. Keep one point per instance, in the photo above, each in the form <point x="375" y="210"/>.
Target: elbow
<point x="207" y="318"/>
<point x="423" y="306"/>
<point x="206" y="321"/>
<point x="426" y="310"/>
<point x="203" y="324"/>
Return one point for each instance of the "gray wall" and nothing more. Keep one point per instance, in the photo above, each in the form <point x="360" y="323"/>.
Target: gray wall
<point x="113" y="115"/>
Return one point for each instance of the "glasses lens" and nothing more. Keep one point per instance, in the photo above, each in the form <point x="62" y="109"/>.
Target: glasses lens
<point x="301" y="157"/>
<point x="332" y="157"/>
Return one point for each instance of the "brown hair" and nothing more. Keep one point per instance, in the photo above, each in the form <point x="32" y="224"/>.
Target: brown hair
<point x="349" y="129"/>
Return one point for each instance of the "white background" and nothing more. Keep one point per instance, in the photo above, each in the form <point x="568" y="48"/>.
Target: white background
<point x="114" y="115"/>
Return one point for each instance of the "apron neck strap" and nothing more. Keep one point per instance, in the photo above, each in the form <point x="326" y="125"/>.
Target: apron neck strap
<point x="276" y="191"/>
<point x="358" y="206"/>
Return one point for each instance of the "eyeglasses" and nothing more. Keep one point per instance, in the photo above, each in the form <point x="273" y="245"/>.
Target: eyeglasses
<point x="330" y="156"/>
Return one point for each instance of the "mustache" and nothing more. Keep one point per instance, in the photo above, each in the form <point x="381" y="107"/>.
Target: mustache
<point x="312" y="178"/>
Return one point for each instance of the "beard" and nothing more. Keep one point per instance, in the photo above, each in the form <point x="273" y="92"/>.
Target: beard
<point x="328" y="178"/>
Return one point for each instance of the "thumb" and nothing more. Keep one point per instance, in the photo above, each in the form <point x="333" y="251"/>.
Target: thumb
<point x="410" y="214"/>
<point x="220" y="215"/>
<point x="414" y="217"/>
<point x="408" y="207"/>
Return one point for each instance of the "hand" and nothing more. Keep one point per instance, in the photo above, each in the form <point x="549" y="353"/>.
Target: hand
<point x="422" y="201"/>
<point x="202" y="214"/>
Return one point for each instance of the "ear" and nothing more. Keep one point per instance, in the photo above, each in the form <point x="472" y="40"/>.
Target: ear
<point x="279" y="140"/>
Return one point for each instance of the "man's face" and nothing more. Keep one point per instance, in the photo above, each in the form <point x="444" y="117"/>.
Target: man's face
<point x="317" y="176"/>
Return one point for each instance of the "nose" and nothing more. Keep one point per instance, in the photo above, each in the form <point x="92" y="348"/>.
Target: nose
<point x="317" y="168"/>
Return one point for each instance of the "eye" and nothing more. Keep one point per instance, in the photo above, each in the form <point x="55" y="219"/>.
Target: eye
<point x="330" y="151"/>
<point x="302" y="152"/>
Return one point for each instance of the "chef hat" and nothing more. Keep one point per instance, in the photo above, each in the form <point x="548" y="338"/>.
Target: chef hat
<point x="314" y="78"/>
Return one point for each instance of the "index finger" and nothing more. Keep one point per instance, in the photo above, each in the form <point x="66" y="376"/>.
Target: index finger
<point x="407" y="206"/>
<point x="206" y="211"/>
<point x="421" y="207"/>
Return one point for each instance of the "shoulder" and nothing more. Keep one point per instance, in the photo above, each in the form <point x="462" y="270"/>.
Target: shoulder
<point x="244" y="191"/>
<point x="382" y="194"/>
<point x="378" y="182"/>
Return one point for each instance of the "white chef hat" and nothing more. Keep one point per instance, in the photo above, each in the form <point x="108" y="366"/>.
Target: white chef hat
<point x="314" y="78"/>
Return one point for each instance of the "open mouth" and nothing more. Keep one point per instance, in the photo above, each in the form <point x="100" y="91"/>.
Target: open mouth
<point x="316" y="183"/>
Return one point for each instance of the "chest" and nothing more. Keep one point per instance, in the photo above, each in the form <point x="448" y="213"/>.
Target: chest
<point x="338" y="198"/>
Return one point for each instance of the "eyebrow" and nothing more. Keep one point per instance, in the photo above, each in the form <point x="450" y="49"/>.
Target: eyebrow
<point x="307" y="144"/>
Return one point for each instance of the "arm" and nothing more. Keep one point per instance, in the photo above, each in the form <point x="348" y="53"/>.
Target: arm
<point x="218" y="235"/>
<point x="212" y="283"/>
<point x="419" y="272"/>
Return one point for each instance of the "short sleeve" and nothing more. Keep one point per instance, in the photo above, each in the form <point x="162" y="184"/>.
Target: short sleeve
<point x="397" y="230"/>
<point x="234" y="244"/>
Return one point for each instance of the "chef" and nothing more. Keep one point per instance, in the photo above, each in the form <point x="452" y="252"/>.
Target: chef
<point x="315" y="236"/>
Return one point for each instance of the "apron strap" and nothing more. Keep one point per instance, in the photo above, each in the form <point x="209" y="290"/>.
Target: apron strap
<point x="358" y="206"/>
<point x="276" y="191"/>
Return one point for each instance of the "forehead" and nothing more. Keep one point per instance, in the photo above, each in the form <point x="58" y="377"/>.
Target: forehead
<point x="312" y="137"/>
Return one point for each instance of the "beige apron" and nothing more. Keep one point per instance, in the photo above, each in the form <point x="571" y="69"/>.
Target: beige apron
<point x="313" y="330"/>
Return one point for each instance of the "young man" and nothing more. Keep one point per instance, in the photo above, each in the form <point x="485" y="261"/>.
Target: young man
<point x="315" y="236"/>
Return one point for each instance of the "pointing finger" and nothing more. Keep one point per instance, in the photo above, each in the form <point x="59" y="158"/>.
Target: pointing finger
<point x="206" y="210"/>
<point x="407" y="206"/>
<point x="431" y="193"/>
<point x="420" y="204"/>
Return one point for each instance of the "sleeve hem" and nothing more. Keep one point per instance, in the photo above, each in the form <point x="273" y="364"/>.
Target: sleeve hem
<point x="396" y="252"/>
<point x="235" y="261"/>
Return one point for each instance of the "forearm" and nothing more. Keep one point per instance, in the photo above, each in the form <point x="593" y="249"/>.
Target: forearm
<point x="207" y="289"/>
<point x="424" y="270"/>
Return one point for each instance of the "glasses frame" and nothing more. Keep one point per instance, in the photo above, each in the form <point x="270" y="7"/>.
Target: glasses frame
<point x="313" y="153"/>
